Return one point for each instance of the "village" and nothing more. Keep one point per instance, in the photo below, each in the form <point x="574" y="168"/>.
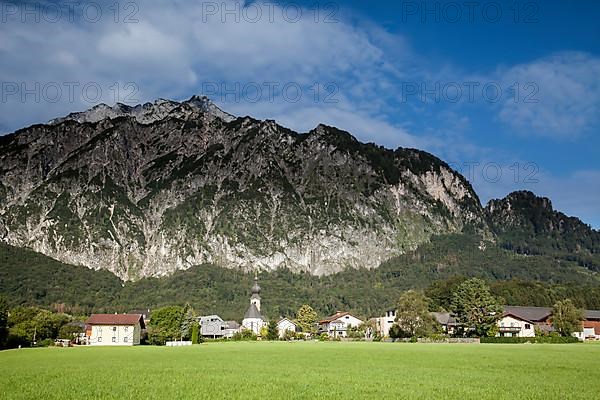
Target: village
<point x="515" y="322"/>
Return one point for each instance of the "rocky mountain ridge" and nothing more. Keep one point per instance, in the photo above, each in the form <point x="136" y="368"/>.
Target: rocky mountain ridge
<point x="148" y="190"/>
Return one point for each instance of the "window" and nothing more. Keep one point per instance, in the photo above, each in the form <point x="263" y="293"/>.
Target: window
<point x="99" y="339"/>
<point x="125" y="339"/>
<point x="527" y="326"/>
<point x="114" y="328"/>
<point x="114" y="339"/>
<point x="126" y="329"/>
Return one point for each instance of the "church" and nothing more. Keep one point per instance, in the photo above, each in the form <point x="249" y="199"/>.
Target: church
<point x="253" y="319"/>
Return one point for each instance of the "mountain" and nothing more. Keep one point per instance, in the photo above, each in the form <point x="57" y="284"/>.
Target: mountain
<point x="148" y="190"/>
<point x="528" y="224"/>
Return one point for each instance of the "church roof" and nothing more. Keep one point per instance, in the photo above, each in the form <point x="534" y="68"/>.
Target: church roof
<point x="253" y="312"/>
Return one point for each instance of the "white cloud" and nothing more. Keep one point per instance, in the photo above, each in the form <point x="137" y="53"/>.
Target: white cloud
<point x="563" y="100"/>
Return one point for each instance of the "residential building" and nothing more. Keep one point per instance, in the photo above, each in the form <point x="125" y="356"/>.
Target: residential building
<point x="253" y="319"/>
<point x="590" y="326"/>
<point x="338" y="324"/>
<point x="539" y="316"/>
<point x="114" y="329"/>
<point x="512" y="325"/>
<point x="383" y="324"/>
<point x="213" y="326"/>
<point x="446" y="320"/>
<point x="285" y="325"/>
<point x="231" y="328"/>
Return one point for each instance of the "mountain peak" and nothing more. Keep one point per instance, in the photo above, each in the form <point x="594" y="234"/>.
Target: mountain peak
<point x="146" y="113"/>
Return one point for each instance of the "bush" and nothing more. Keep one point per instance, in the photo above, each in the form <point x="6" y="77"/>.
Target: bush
<point x="537" y="339"/>
<point x="245" y="334"/>
<point x="324" y="337"/>
<point x="45" y="343"/>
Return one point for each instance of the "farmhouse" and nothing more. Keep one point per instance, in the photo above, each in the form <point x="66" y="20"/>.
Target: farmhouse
<point x="114" y="329"/>
<point x="337" y="325"/>
<point x="285" y="325"/>
<point x="590" y="326"/>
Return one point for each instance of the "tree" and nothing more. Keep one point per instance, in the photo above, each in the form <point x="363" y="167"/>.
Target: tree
<point x="69" y="331"/>
<point x="306" y="318"/>
<point x="187" y="321"/>
<point x="412" y="315"/>
<point x="476" y="309"/>
<point x="3" y="321"/>
<point x="29" y="324"/>
<point x="272" y="331"/>
<point x="195" y="334"/>
<point x="165" y="324"/>
<point x="566" y="318"/>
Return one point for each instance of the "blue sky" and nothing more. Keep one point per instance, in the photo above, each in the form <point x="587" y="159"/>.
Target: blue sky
<point x="395" y="73"/>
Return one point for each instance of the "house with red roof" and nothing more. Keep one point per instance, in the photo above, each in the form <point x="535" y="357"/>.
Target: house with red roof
<point x="114" y="329"/>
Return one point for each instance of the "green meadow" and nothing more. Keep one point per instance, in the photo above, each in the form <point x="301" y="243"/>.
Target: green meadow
<point x="304" y="370"/>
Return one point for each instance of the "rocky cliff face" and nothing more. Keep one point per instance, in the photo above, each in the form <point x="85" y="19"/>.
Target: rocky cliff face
<point x="146" y="190"/>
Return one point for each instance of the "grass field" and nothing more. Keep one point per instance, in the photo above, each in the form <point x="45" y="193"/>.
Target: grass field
<point x="255" y="370"/>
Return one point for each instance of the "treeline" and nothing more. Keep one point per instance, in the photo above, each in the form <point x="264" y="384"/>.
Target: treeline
<point x="31" y="279"/>
<point x="33" y="326"/>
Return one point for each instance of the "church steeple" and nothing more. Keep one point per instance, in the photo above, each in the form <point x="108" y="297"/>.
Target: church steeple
<point x="255" y="298"/>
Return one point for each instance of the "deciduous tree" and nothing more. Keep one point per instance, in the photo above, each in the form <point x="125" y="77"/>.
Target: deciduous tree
<point x="566" y="318"/>
<point x="306" y="318"/>
<point x="412" y="315"/>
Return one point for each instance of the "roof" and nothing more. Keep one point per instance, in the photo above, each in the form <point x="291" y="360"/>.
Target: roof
<point x="253" y="312"/>
<point x="115" y="319"/>
<point x="212" y="316"/>
<point x="335" y="316"/>
<point x="509" y="314"/>
<point x="534" y="314"/>
<point x="78" y="324"/>
<point x="286" y="319"/>
<point x="592" y="314"/>
<point x="444" y="318"/>
<point x="232" y="325"/>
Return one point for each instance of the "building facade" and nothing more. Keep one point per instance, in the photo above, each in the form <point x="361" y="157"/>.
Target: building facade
<point x="511" y="325"/>
<point x="338" y="324"/>
<point x="114" y="329"/>
<point x="285" y="325"/>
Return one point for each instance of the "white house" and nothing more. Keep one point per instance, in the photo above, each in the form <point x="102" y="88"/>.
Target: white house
<point x="114" y="329"/>
<point x="337" y="325"/>
<point x="383" y="324"/>
<point x="511" y="325"/>
<point x="253" y="319"/>
<point x="285" y="325"/>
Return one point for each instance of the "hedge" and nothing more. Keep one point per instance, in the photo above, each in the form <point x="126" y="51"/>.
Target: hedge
<point x="537" y="339"/>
